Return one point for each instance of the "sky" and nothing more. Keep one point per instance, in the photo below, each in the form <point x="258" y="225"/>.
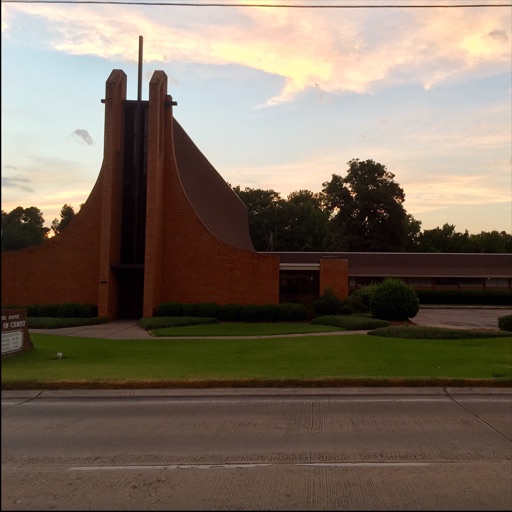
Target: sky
<point x="276" y="98"/>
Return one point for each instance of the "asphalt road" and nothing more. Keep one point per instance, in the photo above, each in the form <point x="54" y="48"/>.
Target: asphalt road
<point x="258" y="449"/>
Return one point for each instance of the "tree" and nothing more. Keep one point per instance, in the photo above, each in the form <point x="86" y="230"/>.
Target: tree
<point x="298" y="223"/>
<point x="366" y="210"/>
<point x="304" y="223"/>
<point x="444" y="239"/>
<point x="23" y="227"/>
<point x="494" y="241"/>
<point x="67" y="214"/>
<point x="263" y="212"/>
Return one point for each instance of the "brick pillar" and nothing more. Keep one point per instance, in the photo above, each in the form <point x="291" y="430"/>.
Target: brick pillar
<point x="111" y="202"/>
<point x="160" y="108"/>
<point x="334" y="275"/>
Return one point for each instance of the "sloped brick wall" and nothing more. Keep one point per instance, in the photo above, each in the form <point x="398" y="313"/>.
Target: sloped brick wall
<point x="190" y="263"/>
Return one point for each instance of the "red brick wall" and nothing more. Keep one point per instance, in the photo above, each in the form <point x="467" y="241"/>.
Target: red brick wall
<point x="71" y="266"/>
<point x="111" y="205"/>
<point x="184" y="261"/>
<point x="196" y="265"/>
<point x="62" y="269"/>
<point x="334" y="275"/>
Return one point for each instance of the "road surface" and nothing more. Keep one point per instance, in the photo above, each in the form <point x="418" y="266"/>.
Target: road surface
<point x="258" y="449"/>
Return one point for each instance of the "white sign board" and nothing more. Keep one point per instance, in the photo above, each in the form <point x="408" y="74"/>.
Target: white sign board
<point x="12" y="341"/>
<point x="15" y="335"/>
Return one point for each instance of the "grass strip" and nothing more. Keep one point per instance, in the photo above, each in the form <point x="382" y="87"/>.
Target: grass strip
<point x="294" y="359"/>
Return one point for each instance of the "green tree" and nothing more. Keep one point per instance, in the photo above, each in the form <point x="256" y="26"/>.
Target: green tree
<point x="264" y="215"/>
<point x="298" y="223"/>
<point x="444" y="240"/>
<point x="67" y="214"/>
<point x="366" y="210"/>
<point x="304" y="223"/>
<point x="494" y="242"/>
<point x="23" y="227"/>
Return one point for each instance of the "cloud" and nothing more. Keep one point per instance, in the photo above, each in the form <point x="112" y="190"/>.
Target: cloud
<point x="19" y="183"/>
<point x="83" y="135"/>
<point x="334" y="50"/>
<point x="500" y="35"/>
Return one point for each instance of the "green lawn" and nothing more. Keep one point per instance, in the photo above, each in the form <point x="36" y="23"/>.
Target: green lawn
<point x="164" y="362"/>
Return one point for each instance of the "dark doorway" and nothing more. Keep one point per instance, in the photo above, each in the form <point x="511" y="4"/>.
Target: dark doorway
<point x="130" y="286"/>
<point x="299" y="286"/>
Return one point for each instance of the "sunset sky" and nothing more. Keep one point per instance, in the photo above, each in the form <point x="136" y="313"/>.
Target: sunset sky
<point x="276" y="98"/>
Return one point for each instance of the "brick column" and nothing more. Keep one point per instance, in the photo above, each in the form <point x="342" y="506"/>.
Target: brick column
<point x="160" y="108"/>
<point x="111" y="203"/>
<point x="334" y="275"/>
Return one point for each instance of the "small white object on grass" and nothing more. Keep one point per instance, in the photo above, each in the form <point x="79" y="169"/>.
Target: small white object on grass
<point x="59" y="355"/>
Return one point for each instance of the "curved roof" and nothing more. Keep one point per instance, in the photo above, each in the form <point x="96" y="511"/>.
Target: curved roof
<point x="213" y="200"/>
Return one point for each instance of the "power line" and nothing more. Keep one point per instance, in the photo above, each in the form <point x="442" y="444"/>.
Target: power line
<point x="279" y="6"/>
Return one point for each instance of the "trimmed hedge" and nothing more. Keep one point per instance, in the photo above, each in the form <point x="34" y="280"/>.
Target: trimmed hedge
<point x="286" y="312"/>
<point x="62" y="310"/>
<point x="417" y="332"/>
<point x="505" y="322"/>
<point x="38" y="322"/>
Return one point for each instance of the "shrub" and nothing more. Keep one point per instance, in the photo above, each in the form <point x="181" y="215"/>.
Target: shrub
<point x="32" y="310"/>
<point x="56" y="323"/>
<point x="329" y="304"/>
<point x="169" y="309"/>
<point x="64" y="310"/>
<point x="230" y="312"/>
<point x="74" y="310"/>
<point x="357" y="304"/>
<point x="360" y="298"/>
<point x="207" y="310"/>
<point x="505" y="323"/>
<point x="394" y="300"/>
<point x="47" y="310"/>
<point x="350" y="322"/>
<point x="269" y="313"/>
<point x="250" y="313"/>
<point x="291" y="312"/>
<point x="417" y="332"/>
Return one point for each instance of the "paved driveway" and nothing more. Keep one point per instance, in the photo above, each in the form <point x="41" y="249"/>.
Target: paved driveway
<point x="462" y="318"/>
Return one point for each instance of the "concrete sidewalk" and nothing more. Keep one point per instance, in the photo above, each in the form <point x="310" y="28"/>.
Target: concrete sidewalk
<point x="452" y="317"/>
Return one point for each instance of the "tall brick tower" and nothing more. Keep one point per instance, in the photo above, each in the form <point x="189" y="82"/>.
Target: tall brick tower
<point x="159" y="225"/>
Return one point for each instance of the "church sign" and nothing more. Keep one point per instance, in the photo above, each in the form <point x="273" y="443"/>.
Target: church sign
<point x="15" y="335"/>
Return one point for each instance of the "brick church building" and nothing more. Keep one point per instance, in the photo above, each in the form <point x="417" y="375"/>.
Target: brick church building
<point x="159" y="225"/>
<point x="162" y="225"/>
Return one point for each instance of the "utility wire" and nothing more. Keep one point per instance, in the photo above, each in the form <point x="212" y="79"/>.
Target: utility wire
<point x="279" y="6"/>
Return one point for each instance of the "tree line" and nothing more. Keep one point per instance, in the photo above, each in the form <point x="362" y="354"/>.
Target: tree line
<point x="362" y="211"/>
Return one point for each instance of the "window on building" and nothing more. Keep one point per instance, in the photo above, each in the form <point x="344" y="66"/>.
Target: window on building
<point x="300" y="286"/>
<point x="497" y="282"/>
<point x="471" y="282"/>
